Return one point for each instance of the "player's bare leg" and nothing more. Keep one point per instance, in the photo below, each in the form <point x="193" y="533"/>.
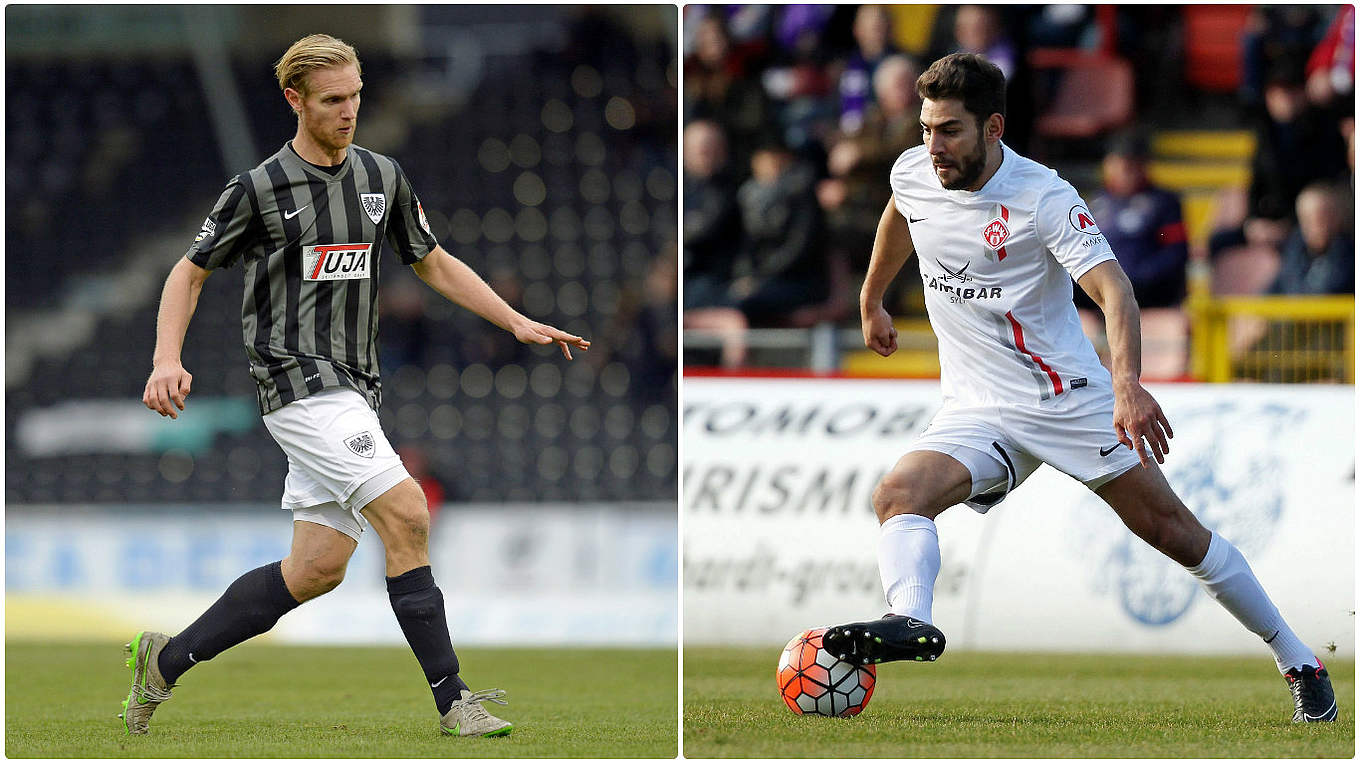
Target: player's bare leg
<point x="402" y="519"/>
<point x="907" y="500"/>
<point x="1150" y="508"/>
<point x="730" y="324"/>
<point x="316" y="560"/>
<point x="251" y="605"/>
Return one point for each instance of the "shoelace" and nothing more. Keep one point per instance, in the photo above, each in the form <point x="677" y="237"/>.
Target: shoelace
<point x="485" y="695"/>
<point x="151" y="693"/>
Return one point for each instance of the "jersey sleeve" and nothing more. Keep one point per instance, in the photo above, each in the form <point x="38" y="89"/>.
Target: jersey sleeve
<point x="227" y="232"/>
<point x="897" y="180"/>
<point x="1068" y="229"/>
<point x="408" y="231"/>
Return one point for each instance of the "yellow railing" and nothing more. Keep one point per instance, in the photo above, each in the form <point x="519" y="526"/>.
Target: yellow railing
<point x="1273" y="339"/>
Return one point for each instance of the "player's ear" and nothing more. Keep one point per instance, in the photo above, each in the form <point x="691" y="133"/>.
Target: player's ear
<point x="995" y="127"/>
<point x="294" y="99"/>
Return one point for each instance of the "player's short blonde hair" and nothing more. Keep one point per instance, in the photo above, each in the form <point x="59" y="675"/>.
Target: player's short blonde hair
<point x="315" y="51"/>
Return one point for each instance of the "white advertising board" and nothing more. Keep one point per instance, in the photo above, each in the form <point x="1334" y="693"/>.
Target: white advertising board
<point x="779" y="534"/>
<point x="510" y="574"/>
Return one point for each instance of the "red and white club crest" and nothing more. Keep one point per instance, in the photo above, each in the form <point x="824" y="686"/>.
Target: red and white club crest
<point x="995" y="233"/>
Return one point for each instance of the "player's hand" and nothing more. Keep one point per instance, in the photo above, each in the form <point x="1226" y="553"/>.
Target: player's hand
<point x="530" y="331"/>
<point x="167" y="388"/>
<point x="1138" y="418"/>
<point x="879" y="333"/>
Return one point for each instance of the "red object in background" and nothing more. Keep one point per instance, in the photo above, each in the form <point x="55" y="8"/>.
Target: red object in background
<point x="418" y="465"/>
<point x="434" y="494"/>
<point x="1213" y="46"/>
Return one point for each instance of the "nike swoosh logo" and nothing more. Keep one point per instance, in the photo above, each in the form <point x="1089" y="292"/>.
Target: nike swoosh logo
<point x="1107" y="452"/>
<point x="435" y="685"/>
<point x="914" y="221"/>
<point x="1272" y="637"/>
<point x="295" y="212"/>
<point x="1324" y="713"/>
<point x="191" y="657"/>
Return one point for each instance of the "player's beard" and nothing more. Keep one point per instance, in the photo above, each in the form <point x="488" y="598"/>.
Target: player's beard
<point x="970" y="167"/>
<point x="329" y="138"/>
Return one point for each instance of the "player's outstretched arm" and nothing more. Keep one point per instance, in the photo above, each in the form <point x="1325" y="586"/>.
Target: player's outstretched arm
<point x="457" y="282"/>
<point x="169" y="383"/>
<point x="1137" y="415"/>
<point x="892" y="248"/>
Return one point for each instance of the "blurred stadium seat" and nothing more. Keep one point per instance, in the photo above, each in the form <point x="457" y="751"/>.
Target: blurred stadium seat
<point x="1094" y="95"/>
<point x="1213" y="33"/>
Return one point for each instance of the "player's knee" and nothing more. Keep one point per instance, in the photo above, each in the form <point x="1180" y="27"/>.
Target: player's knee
<point x="320" y="575"/>
<point x="896" y="494"/>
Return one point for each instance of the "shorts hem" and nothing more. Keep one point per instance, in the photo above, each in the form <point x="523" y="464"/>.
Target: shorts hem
<point x="346" y="529"/>
<point x="371" y="487"/>
<point x="1101" y="478"/>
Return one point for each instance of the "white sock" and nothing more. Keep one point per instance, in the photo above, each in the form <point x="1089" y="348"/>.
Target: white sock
<point x="908" y="563"/>
<point x="1229" y="580"/>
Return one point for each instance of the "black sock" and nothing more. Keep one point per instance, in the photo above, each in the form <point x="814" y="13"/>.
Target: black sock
<point x="251" y="605"/>
<point x="420" y="611"/>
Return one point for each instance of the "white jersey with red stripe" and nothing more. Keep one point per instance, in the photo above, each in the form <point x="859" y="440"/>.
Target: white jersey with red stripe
<point x="995" y="264"/>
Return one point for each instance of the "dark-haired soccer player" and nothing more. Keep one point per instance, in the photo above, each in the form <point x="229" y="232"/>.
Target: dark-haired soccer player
<point x="998" y="236"/>
<point x="311" y="226"/>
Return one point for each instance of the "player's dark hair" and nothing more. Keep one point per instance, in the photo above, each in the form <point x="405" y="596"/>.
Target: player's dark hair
<point x="968" y="77"/>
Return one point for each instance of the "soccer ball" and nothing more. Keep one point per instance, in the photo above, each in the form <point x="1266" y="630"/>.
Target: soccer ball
<point x="812" y="682"/>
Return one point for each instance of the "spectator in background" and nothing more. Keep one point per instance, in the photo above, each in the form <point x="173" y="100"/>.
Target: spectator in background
<point x="1275" y="33"/>
<point x="977" y="29"/>
<point x="1295" y="145"/>
<point x="873" y="45"/>
<point x="711" y="221"/>
<point x="719" y="86"/>
<point x="1143" y="224"/>
<point x="800" y="84"/>
<point x="1318" y="257"/>
<point x="854" y="192"/>
<point x="780" y="266"/>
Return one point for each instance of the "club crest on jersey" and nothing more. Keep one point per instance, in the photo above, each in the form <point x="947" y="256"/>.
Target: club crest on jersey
<point x="996" y="233"/>
<point x="1082" y="221"/>
<point x="361" y="444"/>
<point x="375" y="205"/>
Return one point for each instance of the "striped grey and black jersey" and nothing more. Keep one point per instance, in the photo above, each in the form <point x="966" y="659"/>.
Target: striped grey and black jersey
<point x="311" y="243"/>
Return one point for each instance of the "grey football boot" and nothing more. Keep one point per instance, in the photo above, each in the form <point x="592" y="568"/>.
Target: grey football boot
<point x="467" y="716"/>
<point x="149" y="688"/>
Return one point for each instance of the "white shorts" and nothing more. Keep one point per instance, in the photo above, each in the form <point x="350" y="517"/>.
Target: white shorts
<point x="338" y="458"/>
<point x="1001" y="446"/>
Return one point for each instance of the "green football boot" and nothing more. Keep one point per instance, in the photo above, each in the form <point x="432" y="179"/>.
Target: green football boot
<point x="149" y="688"/>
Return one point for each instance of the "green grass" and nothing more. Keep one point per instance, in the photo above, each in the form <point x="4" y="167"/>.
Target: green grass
<point x="260" y="700"/>
<point x="998" y="705"/>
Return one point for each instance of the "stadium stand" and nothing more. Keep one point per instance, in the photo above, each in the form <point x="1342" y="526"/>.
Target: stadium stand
<point x="554" y="176"/>
<point x="1223" y="93"/>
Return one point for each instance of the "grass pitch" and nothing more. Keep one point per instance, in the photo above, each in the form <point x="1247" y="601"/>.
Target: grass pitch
<point x="973" y="704"/>
<point x="260" y="700"/>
